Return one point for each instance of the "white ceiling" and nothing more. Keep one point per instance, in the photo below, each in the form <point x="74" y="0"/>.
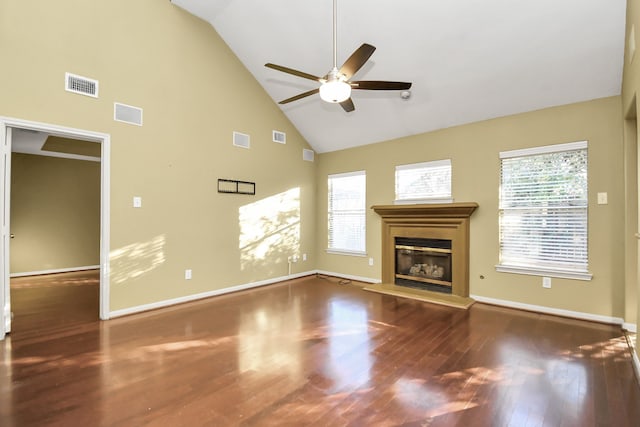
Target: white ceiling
<point x="469" y="60"/>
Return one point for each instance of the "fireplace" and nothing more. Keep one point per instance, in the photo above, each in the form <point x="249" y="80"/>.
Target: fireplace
<point x="425" y="252"/>
<point x="423" y="264"/>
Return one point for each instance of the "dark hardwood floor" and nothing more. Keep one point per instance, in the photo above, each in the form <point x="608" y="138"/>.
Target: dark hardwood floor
<point x="305" y="352"/>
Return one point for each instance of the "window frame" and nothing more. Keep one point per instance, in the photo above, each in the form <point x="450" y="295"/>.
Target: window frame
<point x="362" y="211"/>
<point x="541" y="270"/>
<point x="426" y="166"/>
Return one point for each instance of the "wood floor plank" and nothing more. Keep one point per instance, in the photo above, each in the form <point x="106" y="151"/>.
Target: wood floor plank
<point x="308" y="352"/>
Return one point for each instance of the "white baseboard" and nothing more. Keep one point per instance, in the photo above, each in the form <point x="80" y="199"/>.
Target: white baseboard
<point x="54" y="271"/>
<point x="208" y="294"/>
<point x="631" y="327"/>
<point x="549" y="310"/>
<point x="348" y="276"/>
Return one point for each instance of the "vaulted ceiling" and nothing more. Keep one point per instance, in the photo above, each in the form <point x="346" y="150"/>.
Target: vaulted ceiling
<point x="468" y="60"/>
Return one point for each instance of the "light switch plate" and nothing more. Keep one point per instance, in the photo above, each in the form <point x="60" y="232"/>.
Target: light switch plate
<point x="137" y="201"/>
<point x="602" y="199"/>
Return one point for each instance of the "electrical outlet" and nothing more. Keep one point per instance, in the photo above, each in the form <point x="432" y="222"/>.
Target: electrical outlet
<point x="304" y="257"/>
<point x="371" y="261"/>
<point x="137" y="201"/>
<point x="546" y="282"/>
<point x="294" y="258"/>
<point x="187" y="274"/>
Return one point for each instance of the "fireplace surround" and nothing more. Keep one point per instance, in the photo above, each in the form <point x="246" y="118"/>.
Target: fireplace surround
<point x="439" y="271"/>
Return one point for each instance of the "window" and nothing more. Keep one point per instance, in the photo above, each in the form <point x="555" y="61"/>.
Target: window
<point x="424" y="182"/>
<point x="543" y="211"/>
<point x="347" y="213"/>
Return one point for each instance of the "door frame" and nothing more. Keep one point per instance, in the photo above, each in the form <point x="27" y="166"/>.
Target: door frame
<point x="105" y="179"/>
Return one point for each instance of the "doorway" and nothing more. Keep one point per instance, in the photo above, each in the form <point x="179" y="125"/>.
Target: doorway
<point x="8" y="129"/>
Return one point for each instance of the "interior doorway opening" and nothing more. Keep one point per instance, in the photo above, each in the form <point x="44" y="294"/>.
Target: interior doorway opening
<point x="63" y="142"/>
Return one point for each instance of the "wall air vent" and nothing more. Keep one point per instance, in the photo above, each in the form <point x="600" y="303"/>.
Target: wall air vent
<point x="241" y="140"/>
<point x="127" y="114"/>
<point x="307" y="155"/>
<point x="80" y="85"/>
<point x="279" y="137"/>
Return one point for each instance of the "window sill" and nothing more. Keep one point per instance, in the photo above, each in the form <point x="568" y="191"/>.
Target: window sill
<point x="346" y="252"/>
<point x="563" y="274"/>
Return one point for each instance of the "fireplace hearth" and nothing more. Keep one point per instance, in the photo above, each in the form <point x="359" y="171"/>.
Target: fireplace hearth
<point x="425" y="252"/>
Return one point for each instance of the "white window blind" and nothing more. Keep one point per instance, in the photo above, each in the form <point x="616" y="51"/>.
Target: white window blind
<point x="347" y="212"/>
<point x="543" y="208"/>
<point x="426" y="182"/>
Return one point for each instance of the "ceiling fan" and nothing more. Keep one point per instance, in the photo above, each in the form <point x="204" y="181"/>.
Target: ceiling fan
<point x="335" y="86"/>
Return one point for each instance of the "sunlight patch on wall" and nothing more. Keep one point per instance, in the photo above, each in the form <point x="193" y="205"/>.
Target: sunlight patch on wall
<point x="270" y="229"/>
<point x="134" y="260"/>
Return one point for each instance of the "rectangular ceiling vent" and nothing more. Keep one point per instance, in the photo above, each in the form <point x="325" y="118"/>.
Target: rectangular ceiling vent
<point x="279" y="137"/>
<point x="241" y="140"/>
<point x="127" y="114"/>
<point x="307" y="155"/>
<point x="80" y="85"/>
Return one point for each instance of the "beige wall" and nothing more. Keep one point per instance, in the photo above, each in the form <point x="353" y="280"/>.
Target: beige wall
<point x="194" y="93"/>
<point x="474" y="151"/>
<point x="55" y="213"/>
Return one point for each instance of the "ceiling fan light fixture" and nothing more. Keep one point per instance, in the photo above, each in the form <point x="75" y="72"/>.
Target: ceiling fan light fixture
<point x="335" y="91"/>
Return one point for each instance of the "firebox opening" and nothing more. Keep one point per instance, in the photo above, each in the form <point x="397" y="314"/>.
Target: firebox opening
<point x="423" y="264"/>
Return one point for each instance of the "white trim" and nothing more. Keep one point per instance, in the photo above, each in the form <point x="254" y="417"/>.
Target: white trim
<point x="105" y="227"/>
<point x="538" y="271"/>
<point x="349" y="276"/>
<point x="545" y="149"/>
<point x="549" y="310"/>
<point x="55" y="271"/>
<point x="208" y="294"/>
<point x="630" y="327"/>
<point x="105" y="193"/>
<point x="346" y="252"/>
<point x="5" y="220"/>
<point x="347" y="174"/>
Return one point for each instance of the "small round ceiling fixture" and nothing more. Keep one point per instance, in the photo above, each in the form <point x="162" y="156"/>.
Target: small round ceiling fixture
<point x="405" y="94"/>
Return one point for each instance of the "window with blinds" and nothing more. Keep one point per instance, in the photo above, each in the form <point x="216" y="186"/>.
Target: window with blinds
<point x="347" y="212"/>
<point x="424" y="182"/>
<point x="543" y="209"/>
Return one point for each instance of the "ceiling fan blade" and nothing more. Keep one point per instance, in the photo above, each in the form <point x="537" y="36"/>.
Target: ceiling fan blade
<point x="348" y="105"/>
<point x="294" y="72"/>
<point x="380" y="85"/>
<point x="357" y="60"/>
<point x="299" y="96"/>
